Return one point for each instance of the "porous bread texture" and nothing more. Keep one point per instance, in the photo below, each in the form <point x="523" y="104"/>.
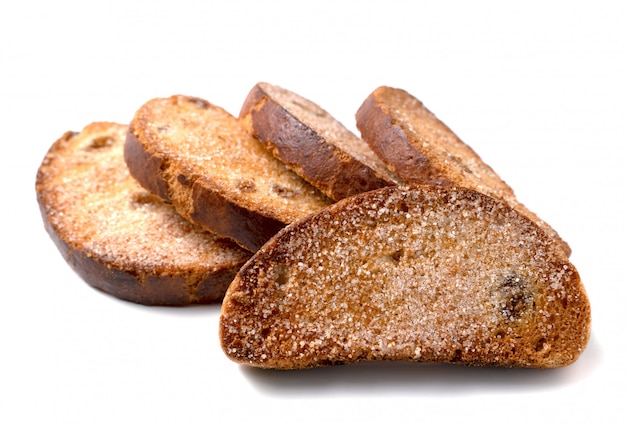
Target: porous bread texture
<point x="421" y="149"/>
<point x="119" y="237"/>
<point x="312" y="143"/>
<point x="425" y="274"/>
<point x="216" y="174"/>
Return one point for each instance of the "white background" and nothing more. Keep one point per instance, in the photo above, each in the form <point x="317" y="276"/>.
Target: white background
<point x="537" y="88"/>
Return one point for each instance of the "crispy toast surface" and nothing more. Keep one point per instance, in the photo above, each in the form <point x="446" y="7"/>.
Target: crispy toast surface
<point x="216" y="174"/>
<point x="119" y="237"/>
<point x="314" y="144"/>
<point x="426" y="274"/>
<point x="421" y="149"/>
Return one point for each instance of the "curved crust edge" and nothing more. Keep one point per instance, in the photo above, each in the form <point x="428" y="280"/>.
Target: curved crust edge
<point x="334" y="172"/>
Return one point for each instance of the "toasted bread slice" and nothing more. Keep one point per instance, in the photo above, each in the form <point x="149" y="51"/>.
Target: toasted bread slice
<point x="201" y="159"/>
<point x="120" y="238"/>
<point x="421" y="149"/>
<point x="311" y="142"/>
<point x="428" y="274"/>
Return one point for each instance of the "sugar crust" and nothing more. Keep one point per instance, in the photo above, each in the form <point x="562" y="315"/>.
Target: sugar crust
<point x="92" y="204"/>
<point x="207" y="145"/>
<point x="422" y="274"/>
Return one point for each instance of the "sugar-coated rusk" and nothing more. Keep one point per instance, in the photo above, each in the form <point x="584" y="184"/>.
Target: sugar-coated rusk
<point x="427" y="274"/>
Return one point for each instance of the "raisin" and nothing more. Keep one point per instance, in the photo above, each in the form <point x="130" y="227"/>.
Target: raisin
<point x="200" y="103"/>
<point x="101" y="142"/>
<point x="514" y="296"/>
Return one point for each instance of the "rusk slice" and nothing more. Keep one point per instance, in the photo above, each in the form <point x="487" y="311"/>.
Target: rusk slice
<point x="201" y="159"/>
<point x="421" y="149"/>
<point x="428" y="274"/>
<point x="120" y="238"/>
<point x="311" y="142"/>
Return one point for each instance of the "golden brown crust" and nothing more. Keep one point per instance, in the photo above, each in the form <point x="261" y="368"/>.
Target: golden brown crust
<point x="421" y="149"/>
<point x="206" y="207"/>
<point x="118" y="237"/>
<point x="149" y="173"/>
<point x="214" y="172"/>
<point x="313" y="143"/>
<point x="214" y="211"/>
<point x="390" y="142"/>
<point x="427" y="274"/>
